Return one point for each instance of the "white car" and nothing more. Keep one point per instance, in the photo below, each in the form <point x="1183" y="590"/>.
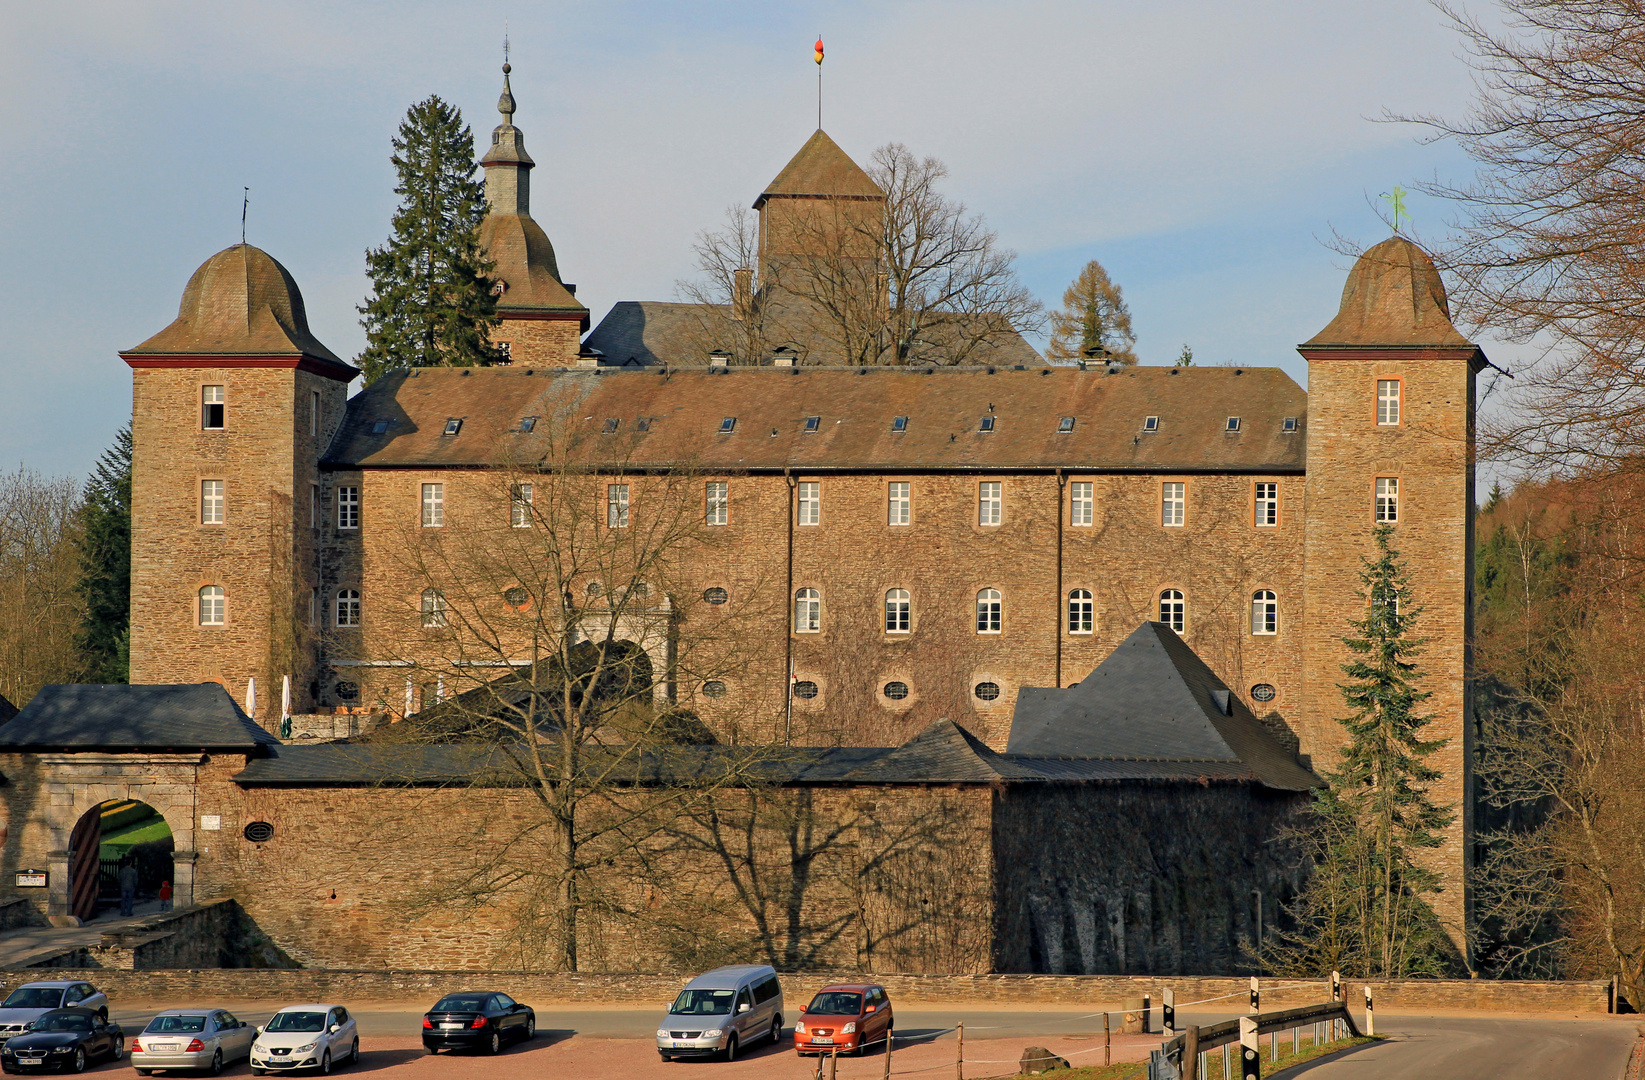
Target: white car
<point x="305" y="1037"/>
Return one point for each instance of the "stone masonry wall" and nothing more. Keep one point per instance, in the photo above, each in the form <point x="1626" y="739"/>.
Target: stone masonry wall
<point x="539" y="342"/>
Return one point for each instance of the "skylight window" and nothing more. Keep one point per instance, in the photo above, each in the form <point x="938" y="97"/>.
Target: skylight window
<point x="899" y="423"/>
<point x="987" y="424"/>
<point x="527" y="423"/>
<point x="811" y="423"/>
<point x="728" y="425"/>
<point x="379" y="427"/>
<point x="611" y="425"/>
<point x="643" y="423"/>
<point x="454" y="425"/>
<point x="1150" y="423"/>
<point x="1290" y="425"/>
<point x="1233" y="424"/>
<point x="1065" y="425"/>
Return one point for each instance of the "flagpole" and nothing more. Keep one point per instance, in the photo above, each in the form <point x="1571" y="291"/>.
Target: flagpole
<point x="817" y="55"/>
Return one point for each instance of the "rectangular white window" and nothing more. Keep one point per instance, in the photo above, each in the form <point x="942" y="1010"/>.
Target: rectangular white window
<point x="1388" y="498"/>
<point x="810" y="504"/>
<point x="807" y="611"/>
<point x="211" y="605"/>
<point x="1387" y="402"/>
<point x="314" y="412"/>
<point x="211" y="502"/>
<point x="616" y="506"/>
<point x="1173" y="503"/>
<point x="717" y="502"/>
<point x="348" y="508"/>
<point x="898" y="503"/>
<point x="1264" y="612"/>
<point x="1082" y="502"/>
<point x="434" y="506"/>
<point x="989" y="502"/>
<point x="1267" y="505"/>
<point x="348" y="607"/>
<point x="519" y="506"/>
<point x="211" y="408"/>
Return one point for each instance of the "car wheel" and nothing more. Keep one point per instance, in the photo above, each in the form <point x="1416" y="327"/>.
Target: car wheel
<point x="666" y="1057"/>
<point x="433" y="1050"/>
<point x="103" y="1011"/>
<point x="530" y="1027"/>
<point x="216" y="1068"/>
<point x="255" y="1071"/>
<point x="79" y="1064"/>
<point x="776" y="1029"/>
<point x="354" y="1051"/>
<point x="119" y="1048"/>
<point x="325" y="1063"/>
<point x="495" y="1044"/>
<point x="731" y="1048"/>
<point x="145" y="1072"/>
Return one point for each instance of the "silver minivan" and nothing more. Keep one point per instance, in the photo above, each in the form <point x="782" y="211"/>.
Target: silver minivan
<point x="722" y="1012"/>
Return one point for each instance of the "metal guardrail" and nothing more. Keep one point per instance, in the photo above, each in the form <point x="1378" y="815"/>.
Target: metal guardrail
<point x="1179" y="1059"/>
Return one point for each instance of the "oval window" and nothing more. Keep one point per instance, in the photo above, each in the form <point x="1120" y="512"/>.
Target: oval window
<point x="986" y="691"/>
<point x="896" y="691"/>
<point x="259" y="832"/>
<point x="806" y="689"/>
<point x="716" y="595"/>
<point x="516" y="597"/>
<point x="1263" y="692"/>
<point x="347" y="691"/>
<point x="714" y="688"/>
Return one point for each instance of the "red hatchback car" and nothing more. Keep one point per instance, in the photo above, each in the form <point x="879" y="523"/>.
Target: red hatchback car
<point x="844" y="1017"/>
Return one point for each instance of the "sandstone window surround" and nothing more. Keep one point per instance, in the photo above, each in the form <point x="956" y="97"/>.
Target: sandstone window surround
<point x="1267" y="505"/>
<point x="434" y="608"/>
<point x="810" y="503"/>
<point x="434" y="506"/>
<point x="1173" y="609"/>
<point x="616" y="506"/>
<point x="211" y="502"/>
<point x="1082" y="502"/>
<point x="348" y="507"/>
<point x="807" y="611"/>
<point x="213" y="602"/>
<point x="1173" y="503"/>
<point x="1081" y="611"/>
<point x="1388" y="402"/>
<point x="1264" y="613"/>
<point x="717" y="502"/>
<point x="897" y="611"/>
<point x="898" y="503"/>
<point x="1387" y="500"/>
<point x="990" y="502"/>
<point x="989" y="611"/>
<point x="213" y="407"/>
<point x="348" y="607"/>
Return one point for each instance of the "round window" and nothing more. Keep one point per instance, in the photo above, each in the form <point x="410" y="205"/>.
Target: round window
<point x="593" y="588"/>
<point x="986" y="691"/>
<point x="896" y="691"/>
<point x="716" y="595"/>
<point x="1263" y="692"/>
<point x="347" y="691"/>
<point x="516" y="597"/>
<point x="714" y="688"/>
<point x="259" y="832"/>
<point x="806" y="689"/>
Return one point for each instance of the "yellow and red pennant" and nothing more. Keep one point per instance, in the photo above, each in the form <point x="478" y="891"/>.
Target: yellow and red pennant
<point x="818" y="57"/>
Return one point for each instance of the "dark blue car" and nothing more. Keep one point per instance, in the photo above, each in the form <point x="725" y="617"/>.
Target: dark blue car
<point x="477" y="1020"/>
<point x="63" y="1040"/>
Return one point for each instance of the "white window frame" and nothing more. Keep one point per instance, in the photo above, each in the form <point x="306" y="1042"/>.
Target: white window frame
<point x="990" y="502"/>
<point x="899" y="503"/>
<point x="1173" y="609"/>
<point x="1173" y="503"/>
<point x="808" y="507"/>
<point x="1082" y="503"/>
<point x="346" y="610"/>
<point x="1390" y="393"/>
<point x="1264" y="613"/>
<point x="616" y="506"/>
<point x="899" y="611"/>
<point x="717" y="502"/>
<point x="1387" y="500"/>
<point x="807" y="611"/>
<point x="348" y="507"/>
<point x="1265" y="504"/>
<point x="1082" y="611"/>
<point x="990" y="611"/>
<point x="213" y="503"/>
<point x="434" y="609"/>
<point x="434" y="506"/>
<point x="211" y="606"/>
<point x="213" y="394"/>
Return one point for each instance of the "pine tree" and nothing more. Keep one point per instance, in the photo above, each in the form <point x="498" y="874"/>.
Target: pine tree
<point x="104" y="638"/>
<point x="431" y="301"/>
<point x="1094" y="320"/>
<point x="1364" y="912"/>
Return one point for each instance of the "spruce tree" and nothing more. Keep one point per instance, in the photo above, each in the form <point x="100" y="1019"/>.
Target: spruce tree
<point x="1365" y="910"/>
<point x="104" y="637"/>
<point x="431" y="301"/>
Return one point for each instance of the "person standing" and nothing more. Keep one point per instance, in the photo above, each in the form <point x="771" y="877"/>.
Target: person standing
<point x="128" y="887"/>
<point x="165" y="896"/>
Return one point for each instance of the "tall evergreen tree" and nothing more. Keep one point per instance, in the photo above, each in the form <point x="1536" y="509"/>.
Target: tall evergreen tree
<point x="104" y="638"/>
<point x="1364" y="912"/>
<point x="1094" y="320"/>
<point x="431" y="301"/>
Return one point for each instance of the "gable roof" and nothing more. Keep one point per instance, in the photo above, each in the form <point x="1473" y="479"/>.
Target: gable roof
<point x="199" y="716"/>
<point x="1153" y="698"/>
<point x="821" y="168"/>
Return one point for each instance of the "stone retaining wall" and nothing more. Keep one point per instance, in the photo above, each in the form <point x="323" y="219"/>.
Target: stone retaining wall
<point x="544" y="989"/>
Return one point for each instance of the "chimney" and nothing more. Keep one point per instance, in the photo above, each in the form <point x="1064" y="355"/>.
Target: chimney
<point x="783" y="356"/>
<point x="742" y="293"/>
<point x="719" y="358"/>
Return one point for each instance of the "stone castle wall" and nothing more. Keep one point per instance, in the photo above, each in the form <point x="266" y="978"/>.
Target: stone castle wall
<point x="537" y="342"/>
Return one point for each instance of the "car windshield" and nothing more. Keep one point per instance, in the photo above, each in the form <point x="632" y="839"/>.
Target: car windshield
<point x="34" y="997"/>
<point x="297" y="1021"/>
<point x="461" y="1003"/>
<point x="835" y="1003"/>
<point x="63" y="1022"/>
<point x="703" y="1002"/>
<point x="166" y="1025"/>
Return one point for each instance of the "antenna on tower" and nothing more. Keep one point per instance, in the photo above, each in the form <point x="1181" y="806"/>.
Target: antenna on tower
<point x="245" y="202"/>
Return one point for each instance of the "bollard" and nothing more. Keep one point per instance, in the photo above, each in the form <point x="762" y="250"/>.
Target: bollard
<point x="1106" y="1060"/>
<point x="1147" y="1011"/>
<point x="1227" y="1060"/>
<point x="1370" y="1012"/>
<point x="1168" y="1011"/>
<point x="1256" y="997"/>
<point x="1250" y="1059"/>
<point x="833" y="1063"/>
<point x="1273" y="1046"/>
<point x="889" y="1039"/>
<point x="959" y="1053"/>
<point x="1193" y="1062"/>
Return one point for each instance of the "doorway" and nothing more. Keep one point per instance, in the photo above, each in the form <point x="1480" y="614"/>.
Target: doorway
<point x="108" y="837"/>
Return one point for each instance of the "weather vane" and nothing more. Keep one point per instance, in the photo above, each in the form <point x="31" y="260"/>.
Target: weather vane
<point x="1396" y="202"/>
<point x="245" y="203"/>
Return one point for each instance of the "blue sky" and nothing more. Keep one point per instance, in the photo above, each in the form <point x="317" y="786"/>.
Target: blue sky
<point x="1202" y="151"/>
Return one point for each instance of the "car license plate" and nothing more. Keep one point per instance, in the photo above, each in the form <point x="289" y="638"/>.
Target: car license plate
<point x="163" y="1048"/>
<point x="822" y="1038"/>
<point x="30" y="1061"/>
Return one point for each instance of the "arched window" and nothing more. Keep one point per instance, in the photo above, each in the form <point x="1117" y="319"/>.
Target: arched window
<point x="1080" y="611"/>
<point x="896" y="611"/>
<point x="988" y="611"/>
<point x="211" y="605"/>
<point x="434" y="608"/>
<point x="807" y="611"/>
<point x="1173" y="611"/>
<point x="1264" y="612"/>
<point x="348" y="607"/>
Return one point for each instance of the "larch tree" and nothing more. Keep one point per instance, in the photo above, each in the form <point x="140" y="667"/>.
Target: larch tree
<point x="104" y="637"/>
<point x="431" y="301"/>
<point x="1094" y="321"/>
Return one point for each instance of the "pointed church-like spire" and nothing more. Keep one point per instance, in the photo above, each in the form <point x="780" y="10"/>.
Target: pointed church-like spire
<point x="507" y="165"/>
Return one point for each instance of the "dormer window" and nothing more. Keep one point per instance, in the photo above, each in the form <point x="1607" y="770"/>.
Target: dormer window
<point x="811" y="423"/>
<point x="527" y="423"/>
<point x="211" y="408"/>
<point x="728" y="425"/>
<point x="1065" y="425"/>
<point x="987" y="424"/>
<point x="1233" y="424"/>
<point x="611" y="426"/>
<point x="379" y="426"/>
<point x="643" y="423"/>
<point x="453" y="425"/>
<point x="1150" y="423"/>
<point x="1289" y="426"/>
<point x="899" y="423"/>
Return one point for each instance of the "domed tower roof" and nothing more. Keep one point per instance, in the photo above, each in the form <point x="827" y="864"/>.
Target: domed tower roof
<point x="241" y="302"/>
<point x="1394" y="298"/>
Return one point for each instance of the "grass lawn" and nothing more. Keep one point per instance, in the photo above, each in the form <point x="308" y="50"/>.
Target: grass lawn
<point x="1136" y="1070"/>
<point x="140" y="833"/>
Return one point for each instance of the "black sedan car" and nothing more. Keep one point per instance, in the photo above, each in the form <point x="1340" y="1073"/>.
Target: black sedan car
<point x="63" y="1040"/>
<point x="477" y="1020"/>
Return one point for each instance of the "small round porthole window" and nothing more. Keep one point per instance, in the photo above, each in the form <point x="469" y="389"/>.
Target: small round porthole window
<point x="714" y="688"/>
<point x="805" y="689"/>
<point x="347" y="691"/>
<point x="1263" y="692"/>
<point x="516" y="597"/>
<point x="259" y="832"/>
<point x="986" y="691"/>
<point x="896" y="691"/>
<point x="716" y="595"/>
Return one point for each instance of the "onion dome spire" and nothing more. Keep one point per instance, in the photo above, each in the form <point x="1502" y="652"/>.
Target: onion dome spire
<point x="505" y="103"/>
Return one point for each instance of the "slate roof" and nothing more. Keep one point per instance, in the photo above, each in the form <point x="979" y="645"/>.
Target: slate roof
<point x="1393" y="298"/>
<point x="7" y="709"/>
<point x="1152" y="699"/>
<point x="943" y="753"/>
<point x="856" y="405"/>
<point x="525" y="262"/>
<point x="649" y="332"/>
<point x="200" y="716"/>
<point x="821" y="168"/>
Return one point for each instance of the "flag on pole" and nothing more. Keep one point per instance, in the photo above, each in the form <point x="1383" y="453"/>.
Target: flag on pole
<point x="819" y="54"/>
